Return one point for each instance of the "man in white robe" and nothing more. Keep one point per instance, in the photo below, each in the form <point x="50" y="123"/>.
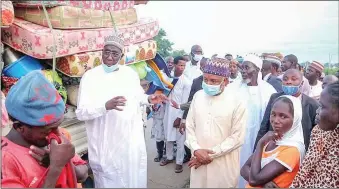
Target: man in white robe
<point x="256" y="94"/>
<point x="215" y="127"/>
<point x="109" y="102"/>
<point x="192" y="69"/>
<point x="173" y="116"/>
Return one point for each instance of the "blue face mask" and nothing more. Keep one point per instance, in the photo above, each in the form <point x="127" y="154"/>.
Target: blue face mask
<point x="290" y="90"/>
<point x="109" y="69"/>
<point x="211" y="90"/>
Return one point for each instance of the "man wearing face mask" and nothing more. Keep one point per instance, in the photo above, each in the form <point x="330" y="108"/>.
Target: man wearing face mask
<point x="109" y="101"/>
<point x="291" y="62"/>
<point x="192" y="69"/>
<point x="291" y="85"/>
<point x="256" y="93"/>
<point x="215" y="136"/>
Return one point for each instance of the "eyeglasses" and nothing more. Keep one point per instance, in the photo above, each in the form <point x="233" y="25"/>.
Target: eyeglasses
<point x="112" y="53"/>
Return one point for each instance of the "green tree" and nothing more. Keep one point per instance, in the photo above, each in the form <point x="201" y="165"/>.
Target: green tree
<point x="176" y="53"/>
<point x="164" y="46"/>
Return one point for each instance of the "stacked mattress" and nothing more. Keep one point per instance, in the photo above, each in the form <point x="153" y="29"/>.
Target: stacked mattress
<point x="79" y="29"/>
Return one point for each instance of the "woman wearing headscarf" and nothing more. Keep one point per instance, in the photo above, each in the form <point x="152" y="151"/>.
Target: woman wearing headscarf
<point x="279" y="153"/>
<point x="320" y="167"/>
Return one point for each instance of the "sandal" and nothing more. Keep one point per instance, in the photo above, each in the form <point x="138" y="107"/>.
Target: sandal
<point x="178" y="168"/>
<point x="165" y="162"/>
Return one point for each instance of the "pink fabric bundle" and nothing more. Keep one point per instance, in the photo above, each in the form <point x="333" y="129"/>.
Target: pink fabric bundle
<point x="4" y="114"/>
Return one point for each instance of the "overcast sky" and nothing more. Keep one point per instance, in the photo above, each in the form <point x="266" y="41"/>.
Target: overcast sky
<point x="306" y="29"/>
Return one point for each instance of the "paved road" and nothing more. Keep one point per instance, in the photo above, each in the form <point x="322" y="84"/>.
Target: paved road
<point x="162" y="177"/>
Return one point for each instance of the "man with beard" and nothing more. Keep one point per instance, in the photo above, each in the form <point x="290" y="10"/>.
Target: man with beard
<point x="291" y="62"/>
<point x="109" y="101"/>
<point x="215" y="136"/>
<point x="270" y="71"/>
<point x="313" y="75"/>
<point x="291" y="85"/>
<point x="192" y="69"/>
<point x="173" y="116"/>
<point x="256" y="94"/>
<point x="37" y="110"/>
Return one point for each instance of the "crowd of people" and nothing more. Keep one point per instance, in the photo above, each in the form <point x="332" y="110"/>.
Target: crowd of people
<point x="252" y="121"/>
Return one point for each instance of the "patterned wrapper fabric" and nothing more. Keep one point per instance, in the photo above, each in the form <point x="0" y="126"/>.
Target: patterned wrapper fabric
<point x="7" y="83"/>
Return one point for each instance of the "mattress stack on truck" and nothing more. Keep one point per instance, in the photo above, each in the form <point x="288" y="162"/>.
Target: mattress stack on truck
<point x="77" y="31"/>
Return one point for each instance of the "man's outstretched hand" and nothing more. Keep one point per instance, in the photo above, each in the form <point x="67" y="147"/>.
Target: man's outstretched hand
<point x="175" y="104"/>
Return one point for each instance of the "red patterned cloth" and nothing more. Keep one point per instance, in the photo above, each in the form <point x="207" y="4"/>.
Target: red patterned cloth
<point x="7" y="83"/>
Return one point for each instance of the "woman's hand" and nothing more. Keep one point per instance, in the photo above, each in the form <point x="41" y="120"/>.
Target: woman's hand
<point x="269" y="136"/>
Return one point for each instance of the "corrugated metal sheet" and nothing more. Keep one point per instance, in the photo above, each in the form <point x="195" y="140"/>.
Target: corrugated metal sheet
<point x="77" y="131"/>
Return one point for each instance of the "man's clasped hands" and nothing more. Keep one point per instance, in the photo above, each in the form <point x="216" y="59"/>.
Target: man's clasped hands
<point x="201" y="157"/>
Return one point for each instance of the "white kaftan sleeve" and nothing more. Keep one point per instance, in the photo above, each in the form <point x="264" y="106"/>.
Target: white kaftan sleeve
<point x="238" y="130"/>
<point x="86" y="110"/>
<point x="191" y="139"/>
<point x="185" y="95"/>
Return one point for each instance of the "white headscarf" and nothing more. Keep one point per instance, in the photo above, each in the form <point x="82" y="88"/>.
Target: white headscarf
<point x="257" y="61"/>
<point x="295" y="136"/>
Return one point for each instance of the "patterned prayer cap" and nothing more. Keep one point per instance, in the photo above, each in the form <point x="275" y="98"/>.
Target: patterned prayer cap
<point x="273" y="59"/>
<point x="33" y="100"/>
<point x="115" y="40"/>
<point x="217" y="66"/>
<point x="317" y="66"/>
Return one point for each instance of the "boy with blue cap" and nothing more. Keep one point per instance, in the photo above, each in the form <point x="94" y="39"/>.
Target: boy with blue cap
<point x="36" y="110"/>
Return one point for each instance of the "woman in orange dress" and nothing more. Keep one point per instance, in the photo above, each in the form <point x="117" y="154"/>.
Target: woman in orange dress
<point x="279" y="153"/>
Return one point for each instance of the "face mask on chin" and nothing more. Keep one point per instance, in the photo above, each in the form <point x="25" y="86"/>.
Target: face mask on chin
<point x="109" y="69"/>
<point x="211" y="90"/>
<point x="290" y="90"/>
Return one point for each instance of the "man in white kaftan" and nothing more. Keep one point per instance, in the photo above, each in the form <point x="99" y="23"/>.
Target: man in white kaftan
<point x="173" y="116"/>
<point x="256" y="94"/>
<point x="216" y="123"/>
<point x="109" y="102"/>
